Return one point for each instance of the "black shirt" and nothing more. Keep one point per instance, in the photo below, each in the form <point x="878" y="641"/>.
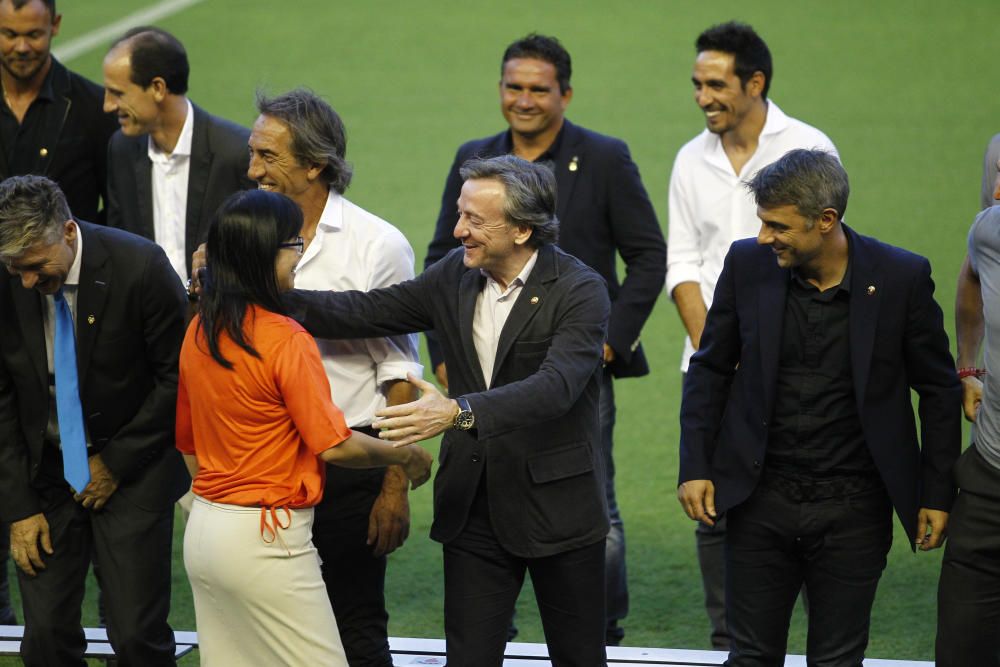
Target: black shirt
<point x="548" y="158"/>
<point x="24" y="144"/>
<point x="816" y="433"/>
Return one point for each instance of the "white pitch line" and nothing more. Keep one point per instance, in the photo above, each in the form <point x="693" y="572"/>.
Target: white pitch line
<point x="84" y="43"/>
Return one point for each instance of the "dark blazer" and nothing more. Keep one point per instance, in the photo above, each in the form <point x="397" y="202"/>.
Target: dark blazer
<point x="76" y="132"/>
<point x="897" y="343"/>
<point x="219" y="161"/>
<point x="537" y="427"/>
<point x="130" y="323"/>
<point x="603" y="209"/>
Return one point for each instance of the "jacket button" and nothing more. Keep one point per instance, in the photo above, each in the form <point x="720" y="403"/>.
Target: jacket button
<point x="756" y="464"/>
<point x="475" y="458"/>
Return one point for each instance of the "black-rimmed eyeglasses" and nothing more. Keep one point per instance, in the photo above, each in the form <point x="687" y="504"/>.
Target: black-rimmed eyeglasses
<point x="299" y="244"/>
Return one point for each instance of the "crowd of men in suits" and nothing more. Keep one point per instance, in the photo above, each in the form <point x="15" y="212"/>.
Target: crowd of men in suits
<point x="798" y="439"/>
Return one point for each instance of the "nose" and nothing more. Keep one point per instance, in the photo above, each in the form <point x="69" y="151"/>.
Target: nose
<point x="21" y="45"/>
<point x="765" y="236"/>
<point x="701" y="97"/>
<point x="28" y="279"/>
<point x="109" y="103"/>
<point x="525" y="100"/>
<point x="461" y="228"/>
<point x="255" y="171"/>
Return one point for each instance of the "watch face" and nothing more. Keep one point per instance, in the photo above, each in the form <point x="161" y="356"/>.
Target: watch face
<point x="464" y="420"/>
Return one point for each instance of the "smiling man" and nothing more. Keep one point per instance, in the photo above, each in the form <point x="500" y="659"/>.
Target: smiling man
<point x="709" y="209"/>
<point x="94" y="319"/>
<point x="604" y="213"/>
<point x="171" y="164"/>
<point x="51" y="121"/>
<point x="797" y="422"/>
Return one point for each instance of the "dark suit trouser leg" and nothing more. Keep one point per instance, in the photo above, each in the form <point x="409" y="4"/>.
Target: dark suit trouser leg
<point x="132" y="549"/>
<point x="53" y="636"/>
<point x="616" y="576"/>
<point x="837" y="547"/>
<point x="354" y="578"/>
<point x="968" y="627"/>
<point x="7" y="615"/>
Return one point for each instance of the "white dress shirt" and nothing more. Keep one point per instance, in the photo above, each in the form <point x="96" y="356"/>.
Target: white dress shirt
<point x="170" y="190"/>
<point x="355" y="250"/>
<point x="493" y="306"/>
<point x="710" y="208"/>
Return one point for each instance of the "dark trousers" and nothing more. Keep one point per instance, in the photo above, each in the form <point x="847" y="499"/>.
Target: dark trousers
<point x="481" y="584"/>
<point x="968" y="628"/>
<point x="132" y="546"/>
<point x="615" y="573"/>
<point x="354" y="578"/>
<point x="836" y="547"/>
<point x="7" y="615"/>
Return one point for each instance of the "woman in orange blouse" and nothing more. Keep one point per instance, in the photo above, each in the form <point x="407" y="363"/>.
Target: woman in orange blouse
<point x="256" y="426"/>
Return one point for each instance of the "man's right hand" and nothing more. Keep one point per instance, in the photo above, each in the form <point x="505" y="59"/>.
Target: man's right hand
<point x="418" y="467"/>
<point x="697" y="497"/>
<point x="199" y="260"/>
<point x="972" y="396"/>
<point x="25" y="536"/>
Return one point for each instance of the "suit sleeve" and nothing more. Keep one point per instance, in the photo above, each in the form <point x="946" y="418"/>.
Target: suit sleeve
<point x="17" y="499"/>
<point x="143" y="438"/>
<point x="574" y="353"/>
<point x="930" y="371"/>
<point x="709" y="378"/>
<point x="640" y="243"/>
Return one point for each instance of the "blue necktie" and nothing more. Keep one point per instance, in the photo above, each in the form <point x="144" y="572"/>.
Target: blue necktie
<point x="76" y="470"/>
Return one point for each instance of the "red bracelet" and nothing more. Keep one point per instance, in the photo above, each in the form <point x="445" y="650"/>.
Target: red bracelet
<point x="971" y="372"/>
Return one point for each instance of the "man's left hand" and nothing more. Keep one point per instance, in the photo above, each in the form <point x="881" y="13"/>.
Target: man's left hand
<point x="102" y="485"/>
<point x="609" y="354"/>
<point x="931" y="528"/>
<point x="389" y="521"/>
<point x="418" y="420"/>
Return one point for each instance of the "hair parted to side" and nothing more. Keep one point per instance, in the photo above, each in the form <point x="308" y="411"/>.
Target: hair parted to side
<point x="154" y="52"/>
<point x="318" y="134"/>
<point x="750" y="53"/>
<point x="32" y="210"/>
<point x="542" y="47"/>
<point x="243" y="242"/>
<point x="529" y="193"/>
<point x="810" y="179"/>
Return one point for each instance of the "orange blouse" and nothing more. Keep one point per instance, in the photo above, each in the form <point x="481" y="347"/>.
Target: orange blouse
<point x="257" y="429"/>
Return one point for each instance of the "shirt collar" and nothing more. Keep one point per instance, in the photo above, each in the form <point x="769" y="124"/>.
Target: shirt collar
<point x="332" y="218"/>
<point x="522" y="277"/>
<point x="183" y="146"/>
<point x="776" y="120"/>
<point x="507" y="145"/>
<point x="73" y="277"/>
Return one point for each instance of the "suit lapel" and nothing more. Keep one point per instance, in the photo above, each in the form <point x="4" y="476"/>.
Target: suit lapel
<point x="866" y="293"/>
<point x="532" y="294"/>
<point x="143" y="187"/>
<point x="771" y="315"/>
<point x="468" y="292"/>
<point x="200" y="166"/>
<point x="28" y="305"/>
<point x="92" y="292"/>
<point x="569" y="162"/>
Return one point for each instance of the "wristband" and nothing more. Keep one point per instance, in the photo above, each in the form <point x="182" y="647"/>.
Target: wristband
<point x="971" y="371"/>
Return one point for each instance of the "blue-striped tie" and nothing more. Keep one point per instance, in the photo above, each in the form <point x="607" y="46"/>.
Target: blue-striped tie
<point x="76" y="470"/>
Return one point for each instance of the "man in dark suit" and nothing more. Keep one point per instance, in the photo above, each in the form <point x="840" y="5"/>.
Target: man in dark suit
<point x="127" y="308"/>
<point x="796" y="419"/>
<point x="603" y="211"/>
<point x="171" y="164"/>
<point x="51" y="122"/>
<point x="521" y="485"/>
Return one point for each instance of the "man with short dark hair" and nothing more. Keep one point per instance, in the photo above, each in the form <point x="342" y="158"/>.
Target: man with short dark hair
<point x="604" y="213"/>
<point x="522" y="326"/>
<point x="709" y="209"/>
<point x="298" y="147"/>
<point x="171" y="164"/>
<point x="797" y="423"/>
<point x="51" y="122"/>
<point x="94" y="319"/>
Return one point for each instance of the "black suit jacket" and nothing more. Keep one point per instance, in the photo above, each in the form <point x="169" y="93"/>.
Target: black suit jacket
<point x="130" y="323"/>
<point x="219" y="161"/>
<point x="536" y="430"/>
<point x="603" y="209"/>
<point x="897" y="343"/>
<point x="76" y="132"/>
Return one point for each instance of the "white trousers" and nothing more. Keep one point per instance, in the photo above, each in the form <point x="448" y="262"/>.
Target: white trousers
<point x="258" y="602"/>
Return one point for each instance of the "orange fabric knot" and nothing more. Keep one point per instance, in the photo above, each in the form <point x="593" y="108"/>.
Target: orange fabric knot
<point x="269" y="530"/>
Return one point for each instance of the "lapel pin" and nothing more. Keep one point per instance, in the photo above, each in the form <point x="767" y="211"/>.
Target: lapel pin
<point x="871" y="290"/>
<point x="574" y="164"/>
<point x="91" y="319"/>
<point x="534" y="300"/>
<point x="43" y="152"/>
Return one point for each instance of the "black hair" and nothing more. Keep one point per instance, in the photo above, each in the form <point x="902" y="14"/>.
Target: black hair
<point x="154" y="52"/>
<point x="750" y="53"/>
<point x="542" y="47"/>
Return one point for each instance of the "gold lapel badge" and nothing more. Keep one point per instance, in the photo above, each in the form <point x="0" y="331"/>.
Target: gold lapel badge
<point x="574" y="164"/>
<point x="871" y="290"/>
<point x="43" y="152"/>
<point x="534" y="300"/>
<point x="91" y="319"/>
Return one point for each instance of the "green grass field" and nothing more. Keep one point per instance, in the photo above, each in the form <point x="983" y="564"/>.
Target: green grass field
<point x="906" y="89"/>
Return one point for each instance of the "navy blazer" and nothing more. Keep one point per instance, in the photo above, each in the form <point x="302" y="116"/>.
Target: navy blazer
<point x="536" y="430"/>
<point x="130" y="323"/>
<point x="897" y="343"/>
<point x="603" y="211"/>
<point x="219" y="162"/>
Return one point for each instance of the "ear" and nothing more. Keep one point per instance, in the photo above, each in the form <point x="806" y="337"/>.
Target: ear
<point x="522" y="233"/>
<point x="827" y="220"/>
<point x="314" y="170"/>
<point x="159" y="87"/>
<point x="56" y="20"/>
<point x="567" y="97"/>
<point x="755" y="84"/>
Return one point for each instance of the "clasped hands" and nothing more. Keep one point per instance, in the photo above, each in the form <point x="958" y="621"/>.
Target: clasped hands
<point x="418" y="420"/>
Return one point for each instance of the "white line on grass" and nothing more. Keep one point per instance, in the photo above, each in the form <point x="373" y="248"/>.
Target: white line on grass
<point x="84" y="43"/>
